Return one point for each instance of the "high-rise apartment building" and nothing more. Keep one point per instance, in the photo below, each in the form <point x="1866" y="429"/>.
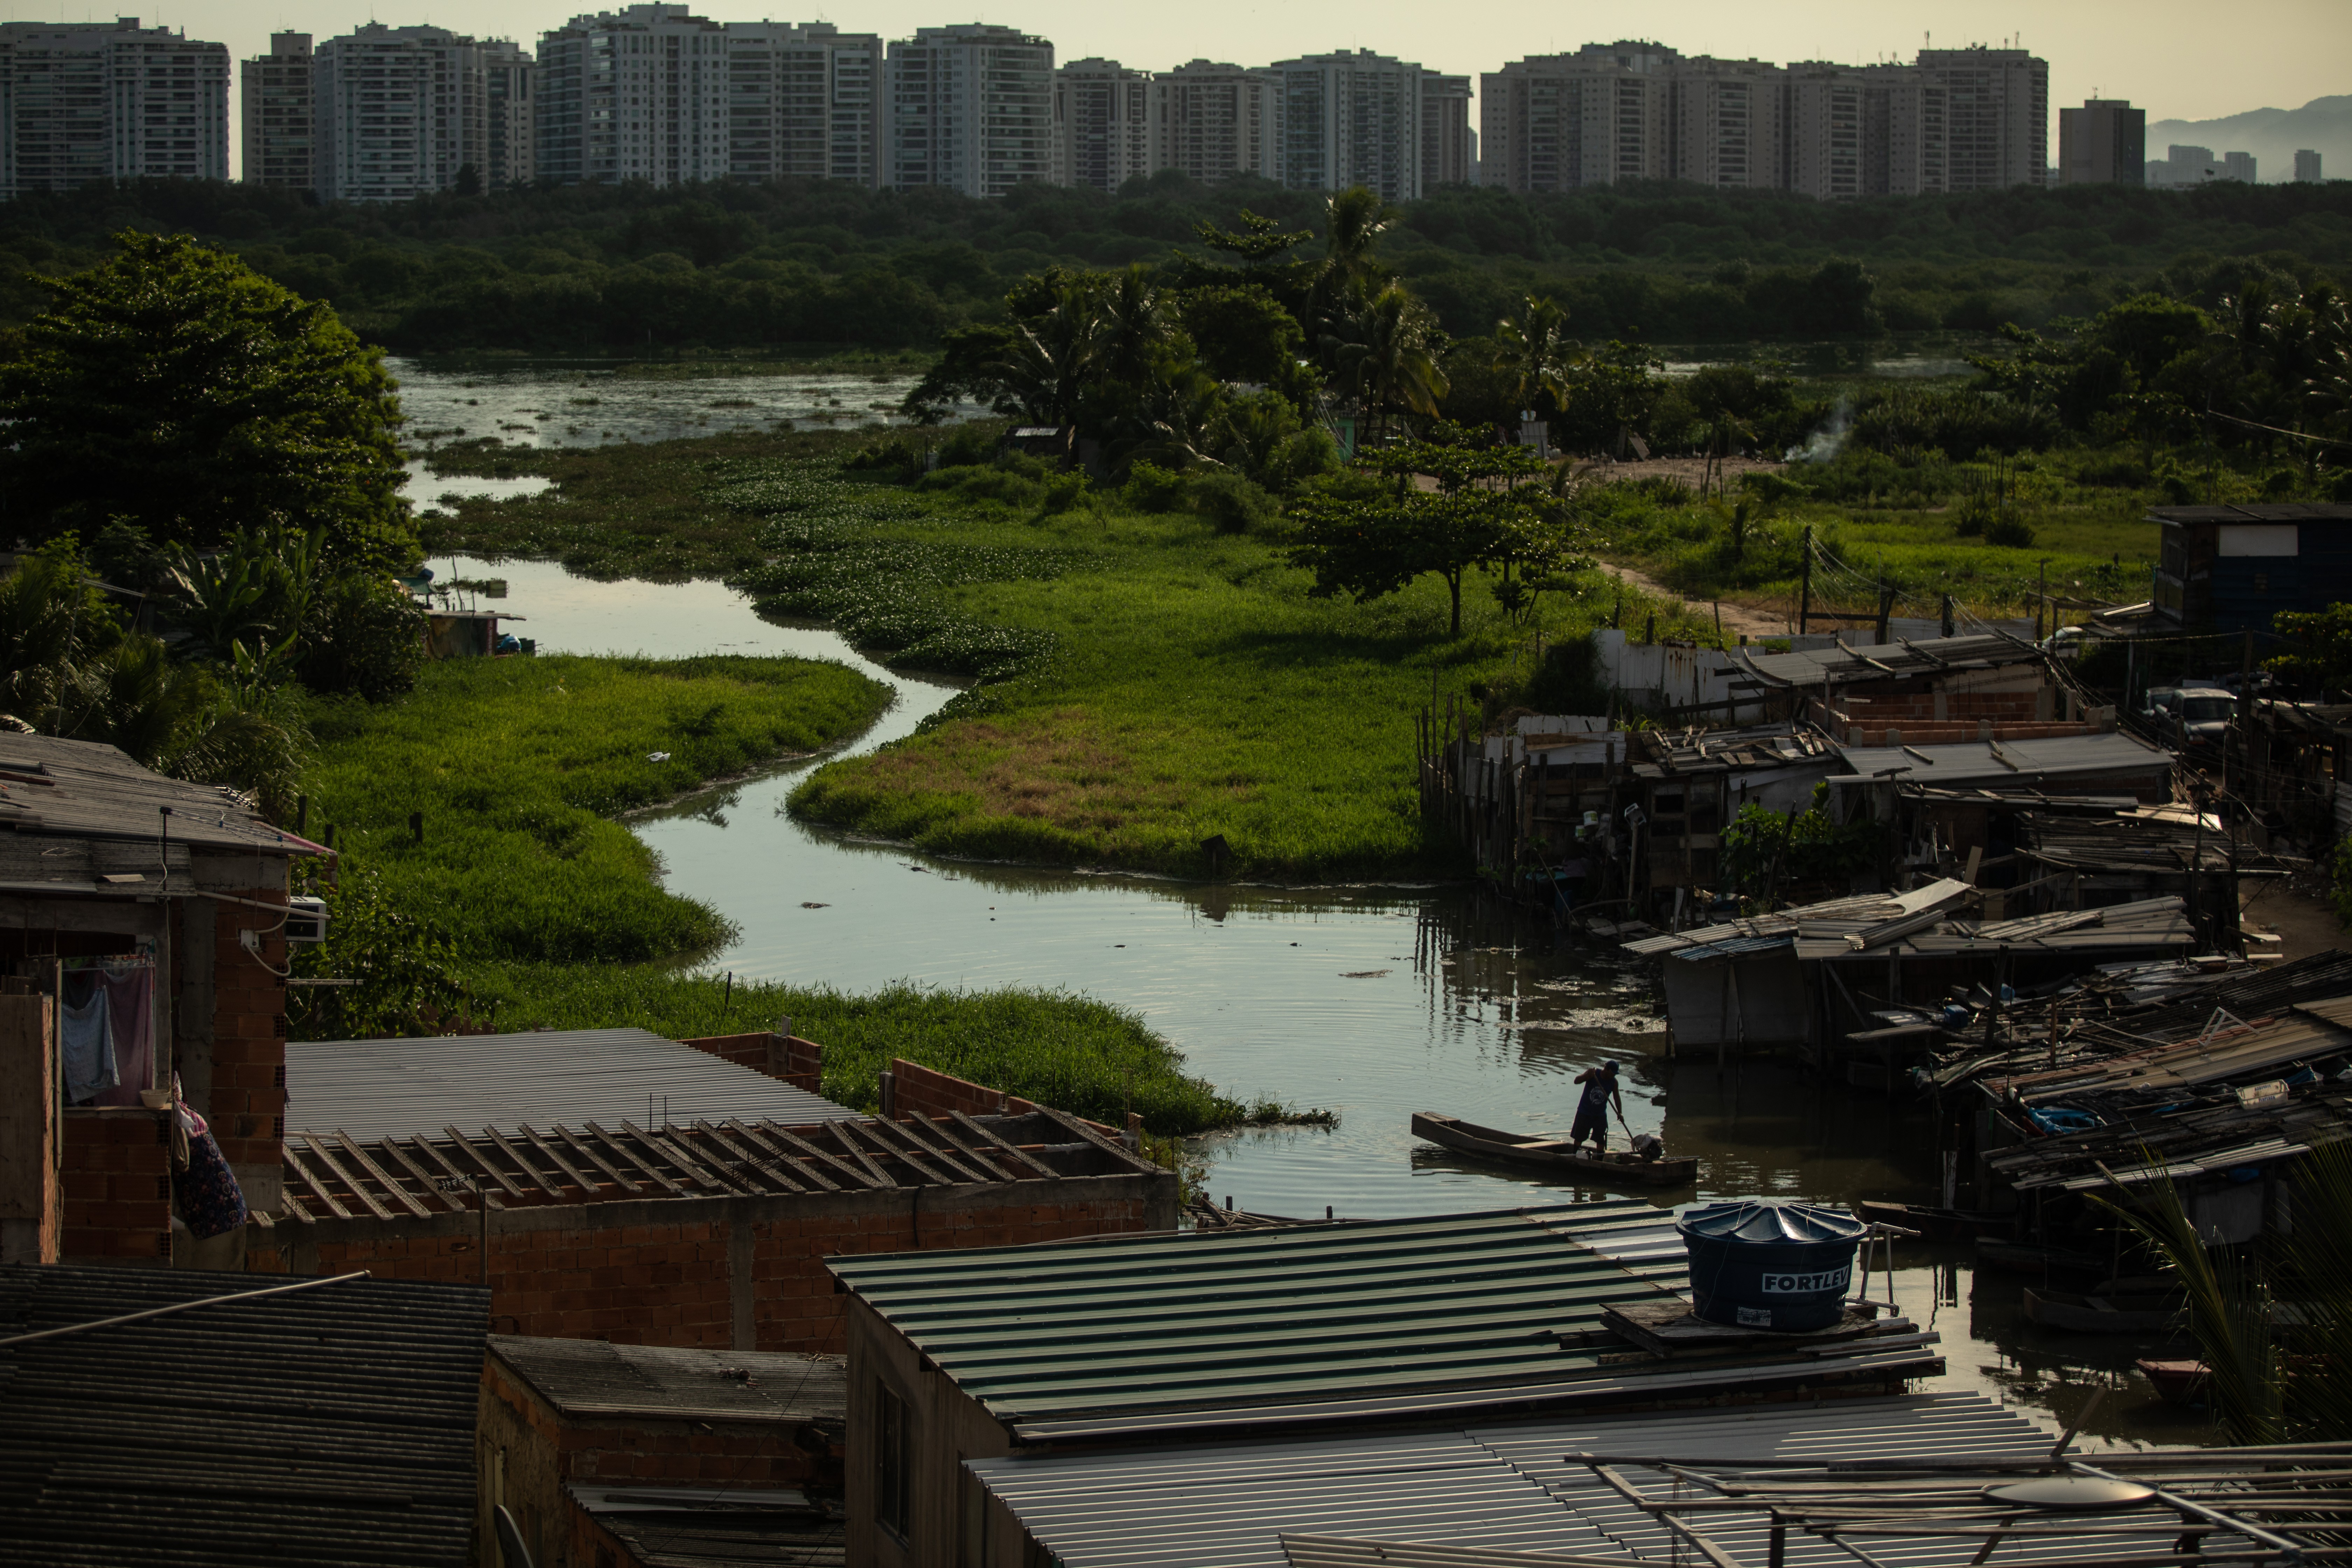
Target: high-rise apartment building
<point x="2306" y="166"/>
<point x="1559" y="122"/>
<point x="108" y="100"/>
<point x="399" y="112"/>
<point x="969" y="108"/>
<point x="1823" y="153"/>
<point x="1212" y="121"/>
<point x="2238" y="166"/>
<point x="801" y="102"/>
<point x="1724" y="123"/>
<point x="1102" y="119"/>
<point x="275" y="94"/>
<point x="636" y="94"/>
<point x="2104" y="142"/>
<point x="1351" y="119"/>
<point x="510" y="124"/>
<point x="1997" y="116"/>
<point x="1449" y="148"/>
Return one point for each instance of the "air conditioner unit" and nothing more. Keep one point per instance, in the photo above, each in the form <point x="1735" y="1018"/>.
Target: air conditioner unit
<point x="306" y="919"/>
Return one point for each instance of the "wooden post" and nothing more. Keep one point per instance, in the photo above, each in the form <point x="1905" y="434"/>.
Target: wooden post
<point x="1805" y="584"/>
<point x="32" y="1118"/>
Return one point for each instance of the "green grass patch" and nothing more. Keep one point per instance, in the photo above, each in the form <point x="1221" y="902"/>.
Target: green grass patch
<point x="1070" y="1052"/>
<point x="518" y="766"/>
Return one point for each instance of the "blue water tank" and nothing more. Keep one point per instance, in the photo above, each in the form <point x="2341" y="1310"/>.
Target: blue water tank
<point x="1762" y="1264"/>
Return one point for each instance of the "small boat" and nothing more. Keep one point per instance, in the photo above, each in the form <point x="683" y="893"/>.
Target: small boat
<point x="1553" y="1154"/>
<point x="2177" y="1382"/>
<point x="1939" y="1224"/>
<point x="2103" y="1314"/>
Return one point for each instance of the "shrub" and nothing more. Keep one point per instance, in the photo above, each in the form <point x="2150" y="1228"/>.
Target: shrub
<point x="968" y="447"/>
<point x="896" y="455"/>
<point x="2009" y="532"/>
<point x="1150" y="487"/>
<point x="365" y="637"/>
<point x="1230" y="502"/>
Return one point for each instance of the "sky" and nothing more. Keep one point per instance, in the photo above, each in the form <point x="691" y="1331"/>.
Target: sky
<point x="2179" y="59"/>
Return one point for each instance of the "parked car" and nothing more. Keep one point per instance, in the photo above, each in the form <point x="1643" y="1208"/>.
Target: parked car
<point x="2201" y="717"/>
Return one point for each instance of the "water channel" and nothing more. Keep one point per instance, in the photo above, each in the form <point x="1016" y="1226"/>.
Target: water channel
<point x="1370" y="1000"/>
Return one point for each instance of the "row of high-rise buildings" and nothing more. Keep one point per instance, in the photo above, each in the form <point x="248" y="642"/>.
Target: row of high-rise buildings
<point x="653" y="92"/>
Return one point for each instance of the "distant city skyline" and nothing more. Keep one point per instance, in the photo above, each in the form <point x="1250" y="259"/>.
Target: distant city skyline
<point x="2165" y="59"/>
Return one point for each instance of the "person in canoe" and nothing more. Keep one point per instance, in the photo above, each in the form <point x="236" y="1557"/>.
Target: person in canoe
<point x="1592" y="1112"/>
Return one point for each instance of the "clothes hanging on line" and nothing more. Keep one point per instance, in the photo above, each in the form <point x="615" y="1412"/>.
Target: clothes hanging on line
<point x="129" y="989"/>
<point x="86" y="1037"/>
<point x="210" y="1200"/>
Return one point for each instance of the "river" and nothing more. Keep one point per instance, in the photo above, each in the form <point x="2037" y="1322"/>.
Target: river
<point x="1370" y="1000"/>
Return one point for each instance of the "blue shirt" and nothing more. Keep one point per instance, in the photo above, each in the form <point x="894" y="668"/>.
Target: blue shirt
<point x="1596" y="1097"/>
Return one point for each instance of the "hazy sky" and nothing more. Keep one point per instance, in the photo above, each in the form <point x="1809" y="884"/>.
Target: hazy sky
<point x="2186" y="59"/>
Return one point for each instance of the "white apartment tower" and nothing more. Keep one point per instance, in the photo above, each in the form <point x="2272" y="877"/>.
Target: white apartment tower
<point x="802" y="102"/>
<point x="1102" y="119"/>
<point x="1997" y="116"/>
<point x="1449" y="148"/>
<point x="275" y="93"/>
<point x="634" y="94"/>
<point x="1724" y="123"/>
<point x="399" y="112"/>
<point x="1212" y="121"/>
<point x="1351" y="120"/>
<point x="108" y="100"/>
<point x="1559" y="122"/>
<point x="510" y="78"/>
<point x="2306" y="166"/>
<point x="969" y="108"/>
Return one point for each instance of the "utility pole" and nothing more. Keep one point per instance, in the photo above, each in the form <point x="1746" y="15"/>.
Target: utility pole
<point x="1805" y="584"/>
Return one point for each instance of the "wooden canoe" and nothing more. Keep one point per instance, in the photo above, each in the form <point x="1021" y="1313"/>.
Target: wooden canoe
<point x="1553" y="1154"/>
<point x="2103" y="1314"/>
<point x="2177" y="1382"/>
<point x="1940" y="1224"/>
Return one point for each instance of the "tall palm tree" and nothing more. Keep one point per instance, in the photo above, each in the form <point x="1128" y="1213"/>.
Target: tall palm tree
<point x="1051" y="359"/>
<point x="1350" y="272"/>
<point x="1537" y="351"/>
<point x="1384" y="355"/>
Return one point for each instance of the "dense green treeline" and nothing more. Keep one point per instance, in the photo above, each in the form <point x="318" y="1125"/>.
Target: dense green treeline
<point x="634" y="268"/>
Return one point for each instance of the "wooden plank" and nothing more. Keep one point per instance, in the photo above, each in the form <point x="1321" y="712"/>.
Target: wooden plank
<point x="294" y="1206"/>
<point x="802" y="1169"/>
<point x="949" y="1149"/>
<point x="851" y="1147"/>
<point x="865" y="1175"/>
<point x="427" y="1179"/>
<point x="318" y="1188"/>
<point x="764" y="1168"/>
<point x="451" y="1173"/>
<point x="596" y="1159"/>
<point x="1044" y="1171"/>
<point x="651" y="1170"/>
<point x="360" y="1156"/>
<point x="465" y="1145"/>
<point x="326" y="1157"/>
<point x="524" y="1165"/>
<point x="902" y="1145"/>
<point x="555" y="1157"/>
<point x="1133" y="1162"/>
<point x="693" y="1170"/>
<point x="1670" y="1328"/>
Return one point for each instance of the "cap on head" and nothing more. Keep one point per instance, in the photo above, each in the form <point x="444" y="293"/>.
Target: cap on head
<point x="1607" y="1067"/>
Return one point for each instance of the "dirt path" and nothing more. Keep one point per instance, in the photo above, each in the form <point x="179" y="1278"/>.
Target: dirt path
<point x="1754" y="620"/>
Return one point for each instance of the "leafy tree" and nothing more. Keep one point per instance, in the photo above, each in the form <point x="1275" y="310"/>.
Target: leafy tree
<point x="1258" y="242"/>
<point x="2317" y="658"/>
<point x="405" y="966"/>
<point x="177" y="389"/>
<point x="1535" y="352"/>
<point x="1385" y="355"/>
<point x="1242" y="332"/>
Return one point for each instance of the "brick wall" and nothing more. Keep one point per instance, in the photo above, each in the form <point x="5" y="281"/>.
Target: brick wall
<point x="787" y="1058"/>
<point x="1871" y="731"/>
<point x="918" y="1090"/>
<point x="719" y="1272"/>
<point x="116" y="1177"/>
<point x="247" y="1109"/>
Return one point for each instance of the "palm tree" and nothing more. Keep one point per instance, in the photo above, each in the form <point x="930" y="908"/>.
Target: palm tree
<point x="1355" y="219"/>
<point x="1048" y="366"/>
<point x="1384" y="355"/>
<point x="1537" y="353"/>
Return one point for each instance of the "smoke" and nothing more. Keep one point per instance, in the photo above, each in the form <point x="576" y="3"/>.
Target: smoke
<point x="1826" y="442"/>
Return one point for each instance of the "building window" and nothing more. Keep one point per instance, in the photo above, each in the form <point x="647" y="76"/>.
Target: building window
<point x="892" y="1482"/>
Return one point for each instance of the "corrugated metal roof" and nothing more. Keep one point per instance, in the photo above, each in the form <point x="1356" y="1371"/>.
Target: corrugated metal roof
<point x="332" y="1424"/>
<point x="80" y="789"/>
<point x="2045" y="756"/>
<point x="1503" y="1488"/>
<point x="416" y="1087"/>
<point x="1899" y="659"/>
<point x="593" y="1377"/>
<point x="1130" y="1325"/>
<point x="704" y="1527"/>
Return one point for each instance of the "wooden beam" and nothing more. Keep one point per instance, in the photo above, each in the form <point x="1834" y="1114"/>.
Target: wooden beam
<point x="701" y="1176"/>
<point x="1006" y="1146"/>
<point x="852" y="1148"/>
<point x="318" y="1188"/>
<point x="527" y="1168"/>
<point x="652" y="1172"/>
<point x="465" y="1145"/>
<point x="902" y="1146"/>
<point x="360" y="1156"/>
<point x="864" y="1175"/>
<point x="1098" y="1141"/>
<point x="806" y="1170"/>
<point x="597" y="1160"/>
<point x="451" y="1172"/>
<point x="555" y="1157"/>
<point x="766" y="1169"/>
<point x="326" y="1158"/>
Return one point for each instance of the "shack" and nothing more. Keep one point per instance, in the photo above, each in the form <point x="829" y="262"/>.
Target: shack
<point x="1914" y="685"/>
<point x="468" y="634"/>
<point x="2234" y="568"/>
<point x="1128" y="1345"/>
<point x="143" y="926"/>
<point x="2111" y="763"/>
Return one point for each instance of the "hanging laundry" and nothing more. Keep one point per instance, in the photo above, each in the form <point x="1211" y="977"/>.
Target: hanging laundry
<point x="130" y="990"/>
<point x="210" y="1200"/>
<point x="86" y="1037"/>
